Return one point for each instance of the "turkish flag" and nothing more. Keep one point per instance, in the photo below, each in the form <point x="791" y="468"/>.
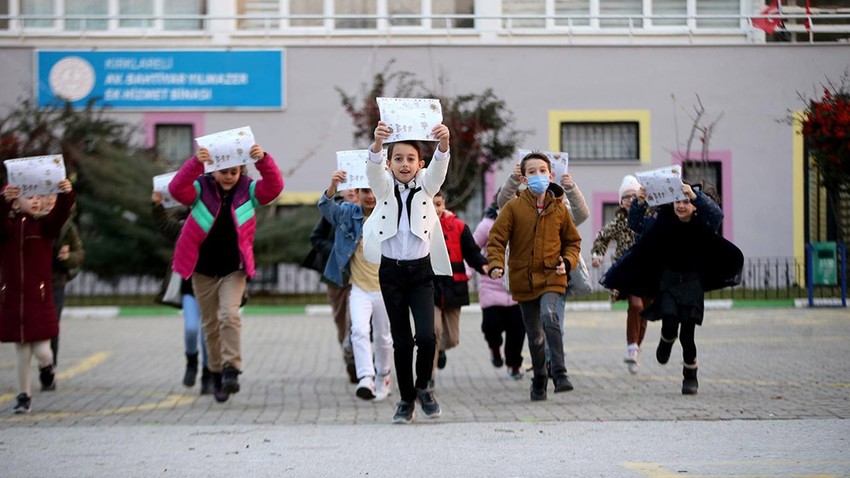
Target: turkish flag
<point x="768" y="24"/>
<point x="807" y="22"/>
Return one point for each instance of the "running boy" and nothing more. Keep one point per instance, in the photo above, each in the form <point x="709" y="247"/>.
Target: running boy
<point x="544" y="244"/>
<point x="452" y="292"/>
<point x="405" y="237"/>
<point x="347" y="266"/>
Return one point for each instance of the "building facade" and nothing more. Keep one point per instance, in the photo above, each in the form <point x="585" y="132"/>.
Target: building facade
<point x="615" y="83"/>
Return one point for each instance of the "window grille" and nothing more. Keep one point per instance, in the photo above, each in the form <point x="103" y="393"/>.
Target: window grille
<point x="601" y="141"/>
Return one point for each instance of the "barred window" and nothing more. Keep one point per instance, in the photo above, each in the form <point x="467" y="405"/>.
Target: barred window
<point x="601" y="141"/>
<point x="174" y="142"/>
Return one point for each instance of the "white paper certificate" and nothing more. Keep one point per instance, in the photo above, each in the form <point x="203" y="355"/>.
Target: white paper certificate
<point x="160" y="184"/>
<point x="663" y="185"/>
<point x="560" y="161"/>
<point x="36" y="174"/>
<point x="353" y="162"/>
<point x="228" y="149"/>
<point x="410" y="118"/>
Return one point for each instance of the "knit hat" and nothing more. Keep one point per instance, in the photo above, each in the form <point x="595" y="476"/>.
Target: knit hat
<point x="630" y="183"/>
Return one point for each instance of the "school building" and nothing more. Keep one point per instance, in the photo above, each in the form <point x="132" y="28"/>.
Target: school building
<point x="618" y="84"/>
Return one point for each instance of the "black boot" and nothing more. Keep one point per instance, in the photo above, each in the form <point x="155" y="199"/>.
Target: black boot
<point x="219" y="394"/>
<point x="689" y="383"/>
<point x="206" y="382"/>
<point x="47" y="377"/>
<point x="538" y="388"/>
<point x="662" y="353"/>
<point x="230" y="379"/>
<point x="191" y="370"/>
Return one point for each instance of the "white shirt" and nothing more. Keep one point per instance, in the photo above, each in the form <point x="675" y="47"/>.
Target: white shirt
<point x="405" y="245"/>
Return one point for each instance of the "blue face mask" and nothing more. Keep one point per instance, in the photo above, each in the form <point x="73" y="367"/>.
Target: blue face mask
<point x="538" y="184"/>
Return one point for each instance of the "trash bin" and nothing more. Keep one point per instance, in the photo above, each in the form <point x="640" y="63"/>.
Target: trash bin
<point x="824" y="263"/>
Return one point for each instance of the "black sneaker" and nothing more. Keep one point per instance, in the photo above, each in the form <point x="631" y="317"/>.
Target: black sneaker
<point x="230" y="379"/>
<point x="405" y="412"/>
<point x="441" y="360"/>
<point x="538" y="388"/>
<point x="429" y="404"/>
<point x="496" y="357"/>
<point x="562" y="384"/>
<point x="662" y="353"/>
<point x="220" y="395"/>
<point x="47" y="378"/>
<point x="23" y="405"/>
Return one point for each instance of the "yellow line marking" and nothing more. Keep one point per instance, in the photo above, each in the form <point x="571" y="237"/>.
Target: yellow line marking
<point x="653" y="470"/>
<point x="87" y="364"/>
<point x="657" y="470"/>
<point x="170" y="401"/>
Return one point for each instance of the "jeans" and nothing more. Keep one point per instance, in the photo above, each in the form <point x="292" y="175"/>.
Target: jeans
<point x="543" y="318"/>
<point x="561" y="304"/>
<point x="192" y="330"/>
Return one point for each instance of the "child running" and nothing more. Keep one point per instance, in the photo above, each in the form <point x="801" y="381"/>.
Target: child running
<point x="215" y="249"/>
<point x="347" y="266"/>
<point x="544" y="244"/>
<point x="28" y="314"/>
<point x="678" y="258"/>
<point x="405" y="237"/>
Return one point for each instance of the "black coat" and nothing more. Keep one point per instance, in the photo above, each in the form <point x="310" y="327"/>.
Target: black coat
<point x="717" y="261"/>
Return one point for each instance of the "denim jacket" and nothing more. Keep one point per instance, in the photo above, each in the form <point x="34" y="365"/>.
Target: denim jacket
<point x="347" y="221"/>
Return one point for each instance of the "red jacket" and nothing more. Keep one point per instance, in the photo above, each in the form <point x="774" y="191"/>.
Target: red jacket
<point x="27" y="313"/>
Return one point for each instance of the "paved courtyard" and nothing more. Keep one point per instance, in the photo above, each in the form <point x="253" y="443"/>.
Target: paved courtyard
<point x="760" y="368"/>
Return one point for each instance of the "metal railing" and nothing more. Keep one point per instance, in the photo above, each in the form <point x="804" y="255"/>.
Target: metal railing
<point x="763" y="278"/>
<point x="403" y="25"/>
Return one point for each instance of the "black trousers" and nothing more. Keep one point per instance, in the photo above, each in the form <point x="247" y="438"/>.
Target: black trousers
<point x="408" y="286"/>
<point x="498" y="319"/>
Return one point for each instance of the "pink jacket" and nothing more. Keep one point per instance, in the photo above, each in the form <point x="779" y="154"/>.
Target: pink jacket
<point x="193" y="188"/>
<point x="491" y="292"/>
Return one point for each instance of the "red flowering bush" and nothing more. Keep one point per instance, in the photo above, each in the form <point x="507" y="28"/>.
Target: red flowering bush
<point x="826" y="130"/>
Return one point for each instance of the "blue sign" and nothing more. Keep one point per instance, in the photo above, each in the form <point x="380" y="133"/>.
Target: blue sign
<point x="162" y="79"/>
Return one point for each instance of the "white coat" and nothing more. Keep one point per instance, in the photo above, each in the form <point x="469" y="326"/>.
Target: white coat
<point x="424" y="223"/>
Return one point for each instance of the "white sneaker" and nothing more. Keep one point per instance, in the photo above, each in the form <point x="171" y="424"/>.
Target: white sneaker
<point x="631" y="359"/>
<point x="382" y="388"/>
<point x="366" y="388"/>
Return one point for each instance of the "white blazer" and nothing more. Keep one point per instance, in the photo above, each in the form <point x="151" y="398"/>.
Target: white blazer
<point x="424" y="223"/>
